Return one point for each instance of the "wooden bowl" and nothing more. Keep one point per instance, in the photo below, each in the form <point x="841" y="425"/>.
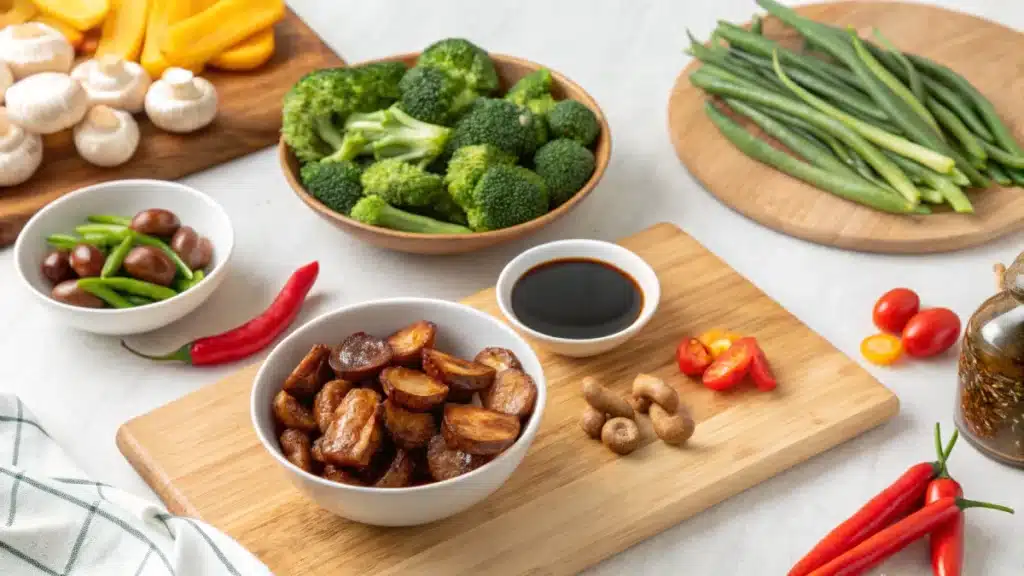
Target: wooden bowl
<point x="510" y="69"/>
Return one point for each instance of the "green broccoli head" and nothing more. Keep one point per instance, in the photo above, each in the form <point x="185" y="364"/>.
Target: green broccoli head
<point x="430" y="95"/>
<point x="571" y="119"/>
<point x="375" y="211"/>
<point x="565" y="166"/>
<point x="501" y="124"/>
<point x="378" y="83"/>
<point x="468" y="165"/>
<point x="463" y="60"/>
<point x="392" y="133"/>
<point x="536" y="84"/>
<point x="506" y="196"/>
<point x="402" y="184"/>
<point x="335" y="184"/>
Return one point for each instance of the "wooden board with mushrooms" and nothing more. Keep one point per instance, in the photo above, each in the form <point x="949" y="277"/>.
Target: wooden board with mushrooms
<point x="611" y="418"/>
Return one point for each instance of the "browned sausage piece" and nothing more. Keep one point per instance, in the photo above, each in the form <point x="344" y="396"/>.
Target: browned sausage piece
<point x="457" y="373"/>
<point x="291" y="414"/>
<point x="355" y="434"/>
<point x="327" y="401"/>
<point x="408" y="343"/>
<point x="513" y="392"/>
<point x="408" y="429"/>
<point x="311" y="373"/>
<point x="399" y="473"/>
<point x="341" y="476"/>
<point x="297" y="449"/>
<point x="499" y="359"/>
<point x="478" y="430"/>
<point x="412" y="388"/>
<point x="360" y="357"/>
<point x="445" y="463"/>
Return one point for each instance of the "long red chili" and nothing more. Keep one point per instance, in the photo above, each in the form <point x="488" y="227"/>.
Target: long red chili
<point x="902" y="496"/>
<point x="252" y="336"/>
<point x="947" y="541"/>
<point x="896" y="537"/>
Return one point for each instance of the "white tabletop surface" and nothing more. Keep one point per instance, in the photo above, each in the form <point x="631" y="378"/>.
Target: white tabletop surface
<point x="627" y="54"/>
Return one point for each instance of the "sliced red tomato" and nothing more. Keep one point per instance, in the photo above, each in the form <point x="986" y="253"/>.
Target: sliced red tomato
<point x="760" y="370"/>
<point x="881" y="349"/>
<point x="895" y="308"/>
<point x="931" y="332"/>
<point x="693" y="357"/>
<point x="729" y="368"/>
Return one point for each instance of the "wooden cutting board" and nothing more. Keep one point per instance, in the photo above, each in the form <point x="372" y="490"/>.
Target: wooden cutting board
<point x="249" y="119"/>
<point x="990" y="56"/>
<point x="571" y="503"/>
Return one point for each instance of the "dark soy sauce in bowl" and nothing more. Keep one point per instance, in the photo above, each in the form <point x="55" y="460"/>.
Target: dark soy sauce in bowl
<point x="577" y="299"/>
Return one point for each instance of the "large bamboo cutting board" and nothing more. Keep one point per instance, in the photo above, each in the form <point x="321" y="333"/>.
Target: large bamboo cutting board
<point x="990" y="56"/>
<point x="249" y="119"/>
<point x="571" y="503"/>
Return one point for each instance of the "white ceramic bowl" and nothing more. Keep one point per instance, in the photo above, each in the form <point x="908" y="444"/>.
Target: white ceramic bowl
<point x="607" y="252"/>
<point x="461" y="331"/>
<point x="125" y="198"/>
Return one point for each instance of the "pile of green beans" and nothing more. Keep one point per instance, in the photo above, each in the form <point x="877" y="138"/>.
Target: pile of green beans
<point x="868" y="123"/>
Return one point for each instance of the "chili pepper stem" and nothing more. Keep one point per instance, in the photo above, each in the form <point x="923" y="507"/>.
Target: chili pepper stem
<point x="180" y="355"/>
<point x="964" y="504"/>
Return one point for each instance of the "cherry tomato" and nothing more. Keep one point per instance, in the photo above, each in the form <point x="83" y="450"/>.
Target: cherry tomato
<point x="931" y="332"/>
<point x="729" y="369"/>
<point x="760" y="370"/>
<point x="717" y="341"/>
<point x="693" y="358"/>
<point x="895" y="308"/>
<point x="881" y="349"/>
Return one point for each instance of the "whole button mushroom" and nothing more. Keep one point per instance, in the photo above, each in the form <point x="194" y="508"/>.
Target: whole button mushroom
<point x="34" y="47"/>
<point x="150" y="264"/>
<point x="87" y="260"/>
<point x="47" y="103"/>
<point x="156" y="222"/>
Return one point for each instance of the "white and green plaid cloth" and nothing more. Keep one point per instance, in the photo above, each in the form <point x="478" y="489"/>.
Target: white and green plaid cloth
<point x="56" y="522"/>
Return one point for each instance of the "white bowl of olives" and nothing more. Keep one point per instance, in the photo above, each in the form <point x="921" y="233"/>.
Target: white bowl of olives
<point x="127" y="256"/>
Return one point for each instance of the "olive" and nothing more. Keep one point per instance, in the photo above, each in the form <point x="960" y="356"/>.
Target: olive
<point x="87" y="260"/>
<point x="156" y="222"/>
<point x="150" y="264"/>
<point x="195" y="250"/>
<point x="68" y="292"/>
<point x="56" y="267"/>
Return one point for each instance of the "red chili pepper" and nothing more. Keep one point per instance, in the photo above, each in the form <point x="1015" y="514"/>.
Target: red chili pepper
<point x="896" y="537"/>
<point x="902" y="496"/>
<point x="947" y="541"/>
<point x="760" y="370"/>
<point x="693" y="357"/>
<point x="252" y="336"/>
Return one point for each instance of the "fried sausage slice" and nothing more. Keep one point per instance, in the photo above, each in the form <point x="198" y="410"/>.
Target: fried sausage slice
<point x="499" y="359"/>
<point x="296" y="447"/>
<point x="341" y="476"/>
<point x="412" y="388"/>
<point x="408" y="343"/>
<point x="327" y="401"/>
<point x="457" y="373"/>
<point x="355" y="433"/>
<point x="399" y="473"/>
<point x="445" y="463"/>
<point x="310" y="374"/>
<point x="290" y="413"/>
<point x="359" y="357"/>
<point x="513" y="392"/>
<point x="478" y="430"/>
<point x="408" y="429"/>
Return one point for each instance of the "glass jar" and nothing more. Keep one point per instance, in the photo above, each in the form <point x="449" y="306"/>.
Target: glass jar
<point x="990" y="395"/>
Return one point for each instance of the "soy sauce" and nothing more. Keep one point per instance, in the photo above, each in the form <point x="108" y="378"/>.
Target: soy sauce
<point x="576" y="298"/>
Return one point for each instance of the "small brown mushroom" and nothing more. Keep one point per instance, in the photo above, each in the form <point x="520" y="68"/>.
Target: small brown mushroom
<point x="620" y="435"/>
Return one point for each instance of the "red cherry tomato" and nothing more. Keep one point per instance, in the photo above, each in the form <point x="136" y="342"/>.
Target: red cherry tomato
<point x="760" y="370"/>
<point x="895" y="308"/>
<point x="931" y="332"/>
<point x="693" y="357"/>
<point x="729" y="368"/>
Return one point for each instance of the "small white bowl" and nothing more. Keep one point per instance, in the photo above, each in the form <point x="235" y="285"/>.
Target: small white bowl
<point x="462" y="331"/>
<point x="607" y="252"/>
<point x="125" y="198"/>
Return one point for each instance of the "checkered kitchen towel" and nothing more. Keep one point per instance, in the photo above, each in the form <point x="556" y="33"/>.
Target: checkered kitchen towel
<point x="54" y="521"/>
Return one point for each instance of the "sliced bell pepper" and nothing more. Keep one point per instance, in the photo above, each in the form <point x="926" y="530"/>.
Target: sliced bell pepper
<point x="74" y="36"/>
<point x="202" y="37"/>
<point x="82" y="14"/>
<point x="729" y="369"/>
<point x="249" y="54"/>
<point x="21" y="11"/>
<point x="760" y="370"/>
<point x="162" y="15"/>
<point x="124" y="29"/>
<point x="693" y="357"/>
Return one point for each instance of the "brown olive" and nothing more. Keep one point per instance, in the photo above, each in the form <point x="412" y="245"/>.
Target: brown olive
<point x="156" y="222"/>
<point x="87" y="260"/>
<point x="195" y="250"/>
<point x="68" y="292"/>
<point x="56" y="267"/>
<point x="150" y="264"/>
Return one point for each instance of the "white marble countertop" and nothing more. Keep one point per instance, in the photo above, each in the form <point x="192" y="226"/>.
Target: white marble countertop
<point x="627" y="54"/>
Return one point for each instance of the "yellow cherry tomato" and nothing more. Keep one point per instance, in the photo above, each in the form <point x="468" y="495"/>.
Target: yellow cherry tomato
<point x="881" y="349"/>
<point x="718" y="341"/>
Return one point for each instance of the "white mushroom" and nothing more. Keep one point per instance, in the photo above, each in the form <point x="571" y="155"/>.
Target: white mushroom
<point x="32" y="47"/>
<point x="181" y="102"/>
<point x="47" y="103"/>
<point x="111" y="81"/>
<point x="6" y="79"/>
<point x="20" y="152"/>
<point x="107" y="137"/>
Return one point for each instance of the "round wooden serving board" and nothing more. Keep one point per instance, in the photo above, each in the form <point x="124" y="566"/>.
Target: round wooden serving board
<point x="990" y="56"/>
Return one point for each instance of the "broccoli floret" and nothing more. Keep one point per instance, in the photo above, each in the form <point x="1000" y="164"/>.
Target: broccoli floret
<point x="499" y="123"/>
<point x="379" y="83"/>
<point x="571" y="119"/>
<point x="392" y="133"/>
<point x="534" y="85"/>
<point x="373" y="210"/>
<point x="565" y="165"/>
<point x="462" y="60"/>
<point x="402" y="184"/>
<point x="468" y="165"/>
<point x="430" y="95"/>
<point x="506" y="196"/>
<point x="335" y="184"/>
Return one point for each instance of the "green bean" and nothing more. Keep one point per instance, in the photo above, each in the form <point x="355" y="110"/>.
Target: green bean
<point x="111" y="231"/>
<point x="913" y="78"/>
<point x="850" y="188"/>
<point x="887" y="78"/>
<point x="721" y="63"/>
<point x="952" y="123"/>
<point x="119" y="232"/>
<point x="963" y="110"/>
<point x="116" y="257"/>
<point x="835" y="145"/>
<point x="1016" y="175"/>
<point x="996" y="173"/>
<point x="95" y="287"/>
<point x="109" y="219"/>
<point x="944" y="184"/>
<point x="1002" y="156"/>
<point x="756" y="25"/>
<point x="182" y="284"/>
<point x="932" y="196"/>
<point x="132" y="286"/>
<point x="137" y="300"/>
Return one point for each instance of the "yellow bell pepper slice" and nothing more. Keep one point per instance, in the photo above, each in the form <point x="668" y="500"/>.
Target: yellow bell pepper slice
<point x="162" y="15"/>
<point x="124" y="29"/>
<point x="75" y="37"/>
<point x="81" y="14"/>
<point x="21" y="11"/>
<point x="250" y="54"/>
<point x="201" y="38"/>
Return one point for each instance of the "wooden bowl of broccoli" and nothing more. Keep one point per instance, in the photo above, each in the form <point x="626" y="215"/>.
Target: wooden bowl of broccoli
<point x="442" y="152"/>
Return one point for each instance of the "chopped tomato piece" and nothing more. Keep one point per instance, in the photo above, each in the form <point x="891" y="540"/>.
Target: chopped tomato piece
<point x="718" y="341"/>
<point x="760" y="370"/>
<point x="729" y="368"/>
<point x="693" y="357"/>
<point x="881" y="349"/>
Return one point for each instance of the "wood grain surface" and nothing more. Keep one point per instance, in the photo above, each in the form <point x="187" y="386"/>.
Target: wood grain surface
<point x="249" y="119"/>
<point x="989" y="55"/>
<point x="571" y="503"/>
